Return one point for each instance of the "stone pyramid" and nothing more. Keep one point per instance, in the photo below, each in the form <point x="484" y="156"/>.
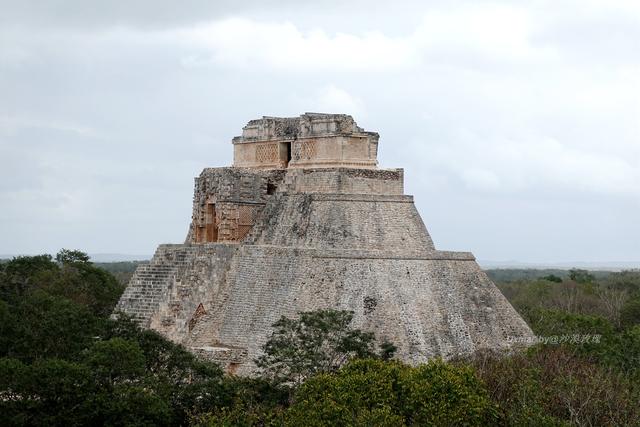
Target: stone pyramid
<point x="305" y="220"/>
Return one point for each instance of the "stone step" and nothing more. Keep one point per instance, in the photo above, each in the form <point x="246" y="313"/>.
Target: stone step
<point x="140" y="297"/>
<point x="155" y="273"/>
<point x="150" y="281"/>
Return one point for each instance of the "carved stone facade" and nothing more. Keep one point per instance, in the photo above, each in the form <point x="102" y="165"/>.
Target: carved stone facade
<point x="271" y="238"/>
<point x="227" y="203"/>
<point x="312" y="140"/>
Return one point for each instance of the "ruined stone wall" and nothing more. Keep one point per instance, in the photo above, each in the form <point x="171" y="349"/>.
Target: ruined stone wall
<point x="199" y="285"/>
<point x="345" y="181"/>
<point x="228" y="201"/>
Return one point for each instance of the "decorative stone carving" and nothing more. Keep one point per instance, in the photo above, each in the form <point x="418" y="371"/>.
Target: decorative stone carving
<point x="266" y="153"/>
<point x="304" y="150"/>
<point x="286" y="128"/>
<point x="312" y="140"/>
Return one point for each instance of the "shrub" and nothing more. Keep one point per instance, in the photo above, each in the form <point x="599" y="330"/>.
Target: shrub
<point x="374" y="392"/>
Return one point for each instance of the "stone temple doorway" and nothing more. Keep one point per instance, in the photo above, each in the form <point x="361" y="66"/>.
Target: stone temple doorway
<point x="211" y="234"/>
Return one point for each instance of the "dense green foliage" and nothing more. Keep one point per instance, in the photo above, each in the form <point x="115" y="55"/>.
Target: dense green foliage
<point x="553" y="386"/>
<point x="63" y="361"/>
<point x="586" y="371"/>
<point x="72" y="277"/>
<point x="315" y="342"/>
<point x="369" y="392"/>
<point x="606" y="309"/>
<point x="373" y="392"/>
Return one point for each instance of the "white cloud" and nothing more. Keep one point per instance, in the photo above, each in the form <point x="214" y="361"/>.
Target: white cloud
<point x="12" y="124"/>
<point x="14" y="57"/>
<point x="246" y="43"/>
<point x="499" y="33"/>
<point x="496" y="33"/>
<point x="480" y="179"/>
<point x="535" y="164"/>
<point x="334" y="99"/>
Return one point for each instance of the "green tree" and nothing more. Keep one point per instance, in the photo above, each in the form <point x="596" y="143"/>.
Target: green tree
<point x="74" y="278"/>
<point x="45" y="326"/>
<point x="624" y="353"/>
<point x="317" y="341"/>
<point x="21" y="275"/>
<point x="68" y="256"/>
<point x="581" y="276"/>
<point x="49" y="392"/>
<point x="115" y="360"/>
<point x="552" y="278"/>
<point x="192" y="386"/>
<point x="378" y="393"/>
<point x="630" y="313"/>
<point x="84" y="283"/>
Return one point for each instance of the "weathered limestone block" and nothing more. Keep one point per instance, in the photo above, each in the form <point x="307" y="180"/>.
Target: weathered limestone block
<point x="344" y="181"/>
<point x="322" y="228"/>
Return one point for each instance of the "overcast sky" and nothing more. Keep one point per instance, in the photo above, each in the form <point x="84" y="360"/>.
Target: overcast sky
<point x="517" y="123"/>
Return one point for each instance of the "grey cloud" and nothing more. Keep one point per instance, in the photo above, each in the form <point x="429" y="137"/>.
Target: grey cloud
<point x="92" y="15"/>
<point x="595" y="36"/>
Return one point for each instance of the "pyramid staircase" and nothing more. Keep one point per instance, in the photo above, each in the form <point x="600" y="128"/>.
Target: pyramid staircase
<point x="151" y="283"/>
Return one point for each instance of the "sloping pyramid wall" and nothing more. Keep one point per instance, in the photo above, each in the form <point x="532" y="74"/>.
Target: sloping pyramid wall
<point x="317" y="245"/>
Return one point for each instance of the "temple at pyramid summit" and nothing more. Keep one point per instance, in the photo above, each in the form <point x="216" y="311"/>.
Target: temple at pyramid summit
<point x="305" y="220"/>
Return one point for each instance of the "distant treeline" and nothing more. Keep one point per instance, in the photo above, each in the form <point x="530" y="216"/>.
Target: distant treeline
<point x="512" y="274"/>
<point x="122" y="270"/>
<point x="120" y="266"/>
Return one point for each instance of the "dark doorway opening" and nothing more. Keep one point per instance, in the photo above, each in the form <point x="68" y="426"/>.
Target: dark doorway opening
<point x="288" y="152"/>
<point x="210" y="223"/>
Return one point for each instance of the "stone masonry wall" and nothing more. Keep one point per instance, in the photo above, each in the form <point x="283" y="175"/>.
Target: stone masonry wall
<point x="331" y="238"/>
<point x="199" y="285"/>
<point x="345" y="221"/>
<point x="344" y="181"/>
<point x="428" y="306"/>
<point x="228" y="201"/>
